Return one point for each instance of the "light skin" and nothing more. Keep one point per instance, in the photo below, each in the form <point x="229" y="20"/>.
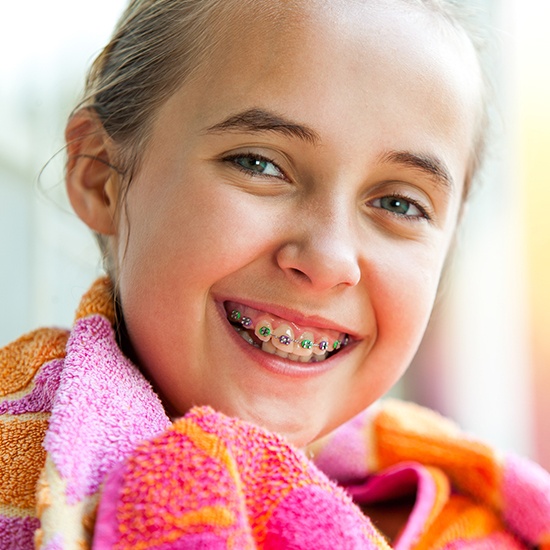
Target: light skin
<point x="331" y="202"/>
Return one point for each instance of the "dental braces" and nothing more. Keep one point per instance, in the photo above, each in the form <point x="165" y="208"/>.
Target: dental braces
<point x="237" y="317"/>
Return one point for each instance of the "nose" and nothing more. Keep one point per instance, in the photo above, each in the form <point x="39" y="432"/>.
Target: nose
<point x="322" y="252"/>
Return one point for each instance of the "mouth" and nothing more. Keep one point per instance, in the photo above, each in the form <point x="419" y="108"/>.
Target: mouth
<point x="284" y="338"/>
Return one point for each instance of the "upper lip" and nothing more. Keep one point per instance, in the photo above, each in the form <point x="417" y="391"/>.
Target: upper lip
<point x="312" y="320"/>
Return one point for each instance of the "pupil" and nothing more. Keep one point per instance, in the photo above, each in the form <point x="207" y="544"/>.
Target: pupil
<point x="395" y="205"/>
<point x="254" y="164"/>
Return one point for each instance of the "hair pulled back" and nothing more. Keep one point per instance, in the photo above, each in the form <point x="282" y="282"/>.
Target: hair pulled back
<point x="156" y="45"/>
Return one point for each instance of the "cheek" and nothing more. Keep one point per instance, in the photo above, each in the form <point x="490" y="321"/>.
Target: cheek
<point x="403" y="296"/>
<point x="194" y="233"/>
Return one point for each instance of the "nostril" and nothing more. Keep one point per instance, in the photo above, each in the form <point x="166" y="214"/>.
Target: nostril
<point x="299" y="274"/>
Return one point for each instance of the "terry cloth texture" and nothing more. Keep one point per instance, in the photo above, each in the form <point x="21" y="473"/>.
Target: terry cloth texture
<point x="89" y="459"/>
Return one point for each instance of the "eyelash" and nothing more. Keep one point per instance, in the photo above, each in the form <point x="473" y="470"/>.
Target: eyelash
<point x="232" y="159"/>
<point x="424" y="213"/>
<point x="255" y="157"/>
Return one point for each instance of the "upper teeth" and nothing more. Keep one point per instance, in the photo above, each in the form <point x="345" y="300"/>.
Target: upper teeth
<point x="282" y="341"/>
<point x="283" y="338"/>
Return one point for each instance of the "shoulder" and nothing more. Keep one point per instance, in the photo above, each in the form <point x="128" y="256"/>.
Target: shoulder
<point x="21" y="360"/>
<point x="30" y="368"/>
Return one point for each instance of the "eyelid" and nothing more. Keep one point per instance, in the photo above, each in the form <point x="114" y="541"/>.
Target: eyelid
<point x="427" y="213"/>
<point x="231" y="157"/>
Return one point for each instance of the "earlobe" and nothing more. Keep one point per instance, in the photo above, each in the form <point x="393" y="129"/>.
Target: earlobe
<point x="92" y="181"/>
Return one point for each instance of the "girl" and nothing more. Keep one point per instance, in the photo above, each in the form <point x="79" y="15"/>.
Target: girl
<point x="275" y="187"/>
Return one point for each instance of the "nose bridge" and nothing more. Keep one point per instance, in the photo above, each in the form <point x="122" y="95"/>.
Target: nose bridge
<point x="323" y="249"/>
<point x="333" y="225"/>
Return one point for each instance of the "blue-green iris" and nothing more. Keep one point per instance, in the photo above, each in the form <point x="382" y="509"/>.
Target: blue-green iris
<point x="395" y="204"/>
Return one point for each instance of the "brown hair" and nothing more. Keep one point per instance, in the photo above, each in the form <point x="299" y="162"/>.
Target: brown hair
<point x="156" y="45"/>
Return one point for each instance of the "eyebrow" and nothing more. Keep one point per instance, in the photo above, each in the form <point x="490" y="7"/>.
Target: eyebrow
<point x="260" y="120"/>
<point x="431" y="166"/>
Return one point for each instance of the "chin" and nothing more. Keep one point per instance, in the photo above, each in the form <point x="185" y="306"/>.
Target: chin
<point x="284" y="421"/>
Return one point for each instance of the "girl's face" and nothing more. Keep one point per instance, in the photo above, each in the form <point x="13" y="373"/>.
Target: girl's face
<point x="309" y="178"/>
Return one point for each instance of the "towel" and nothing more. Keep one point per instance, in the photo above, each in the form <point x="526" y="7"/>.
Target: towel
<point x="90" y="460"/>
<point x="467" y="494"/>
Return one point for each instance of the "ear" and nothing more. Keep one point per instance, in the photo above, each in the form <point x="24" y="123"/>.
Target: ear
<point x="91" y="180"/>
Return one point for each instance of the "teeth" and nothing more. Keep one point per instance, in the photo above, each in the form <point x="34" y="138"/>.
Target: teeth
<point x="269" y="347"/>
<point x="263" y="330"/>
<point x="304" y="348"/>
<point x="282" y="342"/>
<point x="283" y="338"/>
<point x="246" y="336"/>
<point x="317" y="350"/>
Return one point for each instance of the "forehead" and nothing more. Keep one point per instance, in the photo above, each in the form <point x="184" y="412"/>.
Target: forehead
<point x="259" y="39"/>
<point x="282" y="25"/>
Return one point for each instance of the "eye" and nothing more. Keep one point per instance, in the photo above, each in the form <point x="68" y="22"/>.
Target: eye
<point x="401" y="206"/>
<point x="253" y="164"/>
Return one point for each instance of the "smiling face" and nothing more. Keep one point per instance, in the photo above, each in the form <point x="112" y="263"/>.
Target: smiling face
<point x="308" y="179"/>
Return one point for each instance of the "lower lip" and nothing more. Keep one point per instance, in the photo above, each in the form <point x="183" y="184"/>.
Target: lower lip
<point x="280" y="365"/>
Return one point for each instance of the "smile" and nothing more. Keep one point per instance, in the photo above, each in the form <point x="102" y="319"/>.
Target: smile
<point x="284" y="338"/>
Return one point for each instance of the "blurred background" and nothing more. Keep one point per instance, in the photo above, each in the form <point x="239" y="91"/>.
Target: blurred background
<point x="486" y="358"/>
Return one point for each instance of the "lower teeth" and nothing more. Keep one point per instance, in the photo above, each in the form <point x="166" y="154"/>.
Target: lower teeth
<point x="245" y="336"/>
